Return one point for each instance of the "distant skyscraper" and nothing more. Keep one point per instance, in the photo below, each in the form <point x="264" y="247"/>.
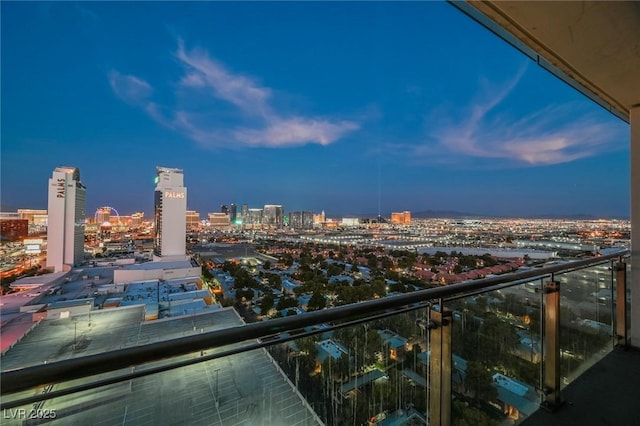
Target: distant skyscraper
<point x="193" y="220"/>
<point x="103" y="214"/>
<point x="224" y="209"/>
<point x="273" y="215"/>
<point x="218" y="220"/>
<point x="170" y="213"/>
<point x="244" y="212"/>
<point x="66" y="213"/>
<point x="253" y="217"/>
<point x="401" y="218"/>
<point x="301" y="220"/>
<point x="233" y="214"/>
<point x="319" y="219"/>
<point x="137" y="218"/>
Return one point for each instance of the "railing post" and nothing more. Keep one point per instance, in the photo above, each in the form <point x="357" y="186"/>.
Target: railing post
<point x="440" y="367"/>
<point x="621" y="304"/>
<point x="551" y="385"/>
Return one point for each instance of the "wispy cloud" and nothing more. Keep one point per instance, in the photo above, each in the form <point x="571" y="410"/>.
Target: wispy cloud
<point x="218" y="107"/>
<point x="129" y="88"/>
<point x="553" y="135"/>
<point x="206" y="73"/>
<point x="295" y="131"/>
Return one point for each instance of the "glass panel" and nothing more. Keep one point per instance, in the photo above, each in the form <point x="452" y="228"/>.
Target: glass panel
<point x="497" y="355"/>
<point x="586" y="330"/>
<point x="371" y="372"/>
<point x="245" y="388"/>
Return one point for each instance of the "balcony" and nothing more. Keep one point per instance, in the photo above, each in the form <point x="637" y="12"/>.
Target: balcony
<point x="604" y="394"/>
<point x="487" y="352"/>
<point x="482" y="352"/>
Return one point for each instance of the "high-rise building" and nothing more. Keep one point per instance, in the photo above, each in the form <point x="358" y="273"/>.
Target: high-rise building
<point x="233" y="213"/>
<point x="401" y="218"/>
<point x="301" y="220"/>
<point x="170" y="213"/>
<point x="319" y="219"/>
<point x="224" y="209"/>
<point x="137" y="219"/>
<point x="273" y="215"/>
<point x="253" y="217"/>
<point x="218" y="220"/>
<point x="103" y="214"/>
<point x="193" y="220"/>
<point x="244" y="212"/>
<point x="66" y="214"/>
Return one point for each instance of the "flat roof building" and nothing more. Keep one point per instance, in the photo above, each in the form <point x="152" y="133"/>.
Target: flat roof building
<point x="248" y="388"/>
<point x="164" y="270"/>
<point x="35" y="217"/>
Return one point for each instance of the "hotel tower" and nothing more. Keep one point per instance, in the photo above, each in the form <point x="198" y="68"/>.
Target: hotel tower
<point x="170" y="214"/>
<point x="65" y="230"/>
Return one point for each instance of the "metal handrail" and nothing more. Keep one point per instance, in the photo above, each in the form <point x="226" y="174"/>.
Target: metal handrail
<point x="29" y="377"/>
<point x="134" y="374"/>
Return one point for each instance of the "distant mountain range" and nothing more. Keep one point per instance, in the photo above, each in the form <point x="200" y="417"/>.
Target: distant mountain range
<point x="461" y="215"/>
<point x="452" y="214"/>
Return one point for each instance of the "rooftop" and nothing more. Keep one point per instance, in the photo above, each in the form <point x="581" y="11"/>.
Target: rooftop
<point x="149" y="266"/>
<point x="246" y="388"/>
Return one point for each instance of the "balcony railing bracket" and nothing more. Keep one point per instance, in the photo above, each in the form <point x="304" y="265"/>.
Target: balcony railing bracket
<point x="621" y="305"/>
<point x="440" y="368"/>
<point x="551" y="382"/>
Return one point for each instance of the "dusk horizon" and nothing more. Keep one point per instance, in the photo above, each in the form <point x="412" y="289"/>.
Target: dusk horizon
<point x="350" y="108"/>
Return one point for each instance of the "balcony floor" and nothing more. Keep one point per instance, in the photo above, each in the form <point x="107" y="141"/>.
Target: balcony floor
<point x="606" y="394"/>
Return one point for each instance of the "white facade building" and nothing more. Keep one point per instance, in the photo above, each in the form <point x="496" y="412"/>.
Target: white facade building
<point x="170" y="214"/>
<point x="66" y="213"/>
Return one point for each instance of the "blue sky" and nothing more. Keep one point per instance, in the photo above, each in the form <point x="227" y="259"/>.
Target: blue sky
<point x="346" y="107"/>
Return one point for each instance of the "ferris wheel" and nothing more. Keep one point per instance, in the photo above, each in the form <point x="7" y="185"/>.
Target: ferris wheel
<point x="102" y="210"/>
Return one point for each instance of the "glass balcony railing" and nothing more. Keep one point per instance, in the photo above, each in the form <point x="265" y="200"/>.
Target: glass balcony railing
<point x="497" y="353"/>
<point x="586" y="318"/>
<point x="480" y="352"/>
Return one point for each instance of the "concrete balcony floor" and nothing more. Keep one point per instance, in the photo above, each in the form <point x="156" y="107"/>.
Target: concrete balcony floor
<point x="606" y="394"/>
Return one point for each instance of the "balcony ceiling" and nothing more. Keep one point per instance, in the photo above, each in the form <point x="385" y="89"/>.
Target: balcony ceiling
<point x="597" y="44"/>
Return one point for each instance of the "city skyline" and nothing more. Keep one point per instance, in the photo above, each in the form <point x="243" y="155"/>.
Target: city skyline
<point x="352" y="108"/>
